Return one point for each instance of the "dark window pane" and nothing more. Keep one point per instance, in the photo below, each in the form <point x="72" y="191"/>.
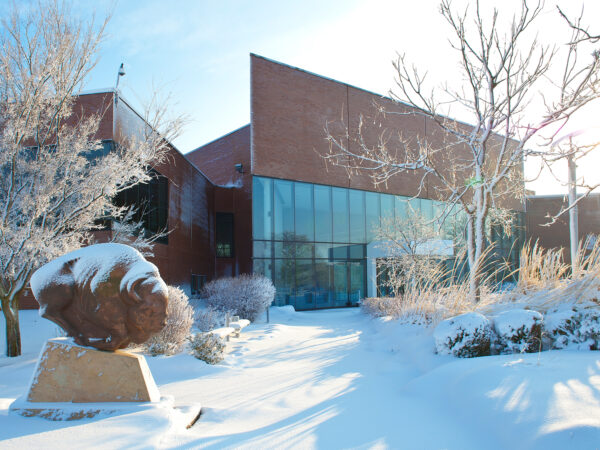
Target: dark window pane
<point x="339" y="252"/>
<point x="357" y="216"/>
<point x="323" y="216"/>
<point x="372" y="214"/>
<point x="151" y="202"/>
<point x="356" y="251"/>
<point x="262" y="208"/>
<point x="224" y="235"/>
<point x="284" y="210"/>
<point x="340" y="215"/>
<point x="305" y="229"/>
<point x="197" y="284"/>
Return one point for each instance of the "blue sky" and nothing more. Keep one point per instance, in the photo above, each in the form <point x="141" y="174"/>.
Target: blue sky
<point x="199" y="50"/>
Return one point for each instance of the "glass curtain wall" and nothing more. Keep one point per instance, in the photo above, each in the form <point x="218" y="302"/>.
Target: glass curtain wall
<point x="311" y="239"/>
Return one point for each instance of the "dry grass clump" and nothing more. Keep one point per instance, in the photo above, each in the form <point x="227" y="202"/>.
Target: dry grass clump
<point x="544" y="281"/>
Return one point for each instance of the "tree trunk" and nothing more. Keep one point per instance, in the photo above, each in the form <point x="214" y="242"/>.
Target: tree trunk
<point x="13" y="333"/>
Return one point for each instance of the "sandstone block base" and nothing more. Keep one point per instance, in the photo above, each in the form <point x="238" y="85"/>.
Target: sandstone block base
<point x="75" y="411"/>
<point x="67" y="372"/>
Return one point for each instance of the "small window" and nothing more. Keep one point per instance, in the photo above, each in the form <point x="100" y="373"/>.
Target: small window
<point x="224" y="235"/>
<point x="198" y="282"/>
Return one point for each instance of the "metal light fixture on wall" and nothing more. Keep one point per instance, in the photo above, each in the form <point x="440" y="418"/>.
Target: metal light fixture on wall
<point x="239" y="168"/>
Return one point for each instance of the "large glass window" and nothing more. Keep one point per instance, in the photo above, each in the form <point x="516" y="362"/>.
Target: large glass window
<point x="305" y="225"/>
<point x="284" y="210"/>
<point x="312" y="239"/>
<point x="357" y="215"/>
<point x="372" y="214"/>
<point x="323" y="214"/>
<point x="340" y="214"/>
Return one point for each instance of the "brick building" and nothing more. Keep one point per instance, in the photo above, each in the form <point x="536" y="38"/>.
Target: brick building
<point x="289" y="216"/>
<point x="179" y="197"/>
<point x="541" y="208"/>
<point x="262" y="198"/>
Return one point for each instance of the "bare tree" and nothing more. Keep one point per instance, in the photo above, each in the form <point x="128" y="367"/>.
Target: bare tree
<point x="475" y="166"/>
<point x="415" y="251"/>
<point x="56" y="179"/>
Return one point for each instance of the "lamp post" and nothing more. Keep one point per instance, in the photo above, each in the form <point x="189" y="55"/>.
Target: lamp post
<point x="573" y="213"/>
<point x="120" y="73"/>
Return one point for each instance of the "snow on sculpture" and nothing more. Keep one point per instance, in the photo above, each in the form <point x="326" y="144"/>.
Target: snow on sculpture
<point x="104" y="296"/>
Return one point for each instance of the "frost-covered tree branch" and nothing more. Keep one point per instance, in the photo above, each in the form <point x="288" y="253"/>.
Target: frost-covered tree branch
<point x="475" y="166"/>
<point x="56" y="178"/>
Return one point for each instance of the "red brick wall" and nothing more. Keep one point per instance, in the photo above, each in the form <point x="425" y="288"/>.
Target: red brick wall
<point x="233" y="193"/>
<point x="290" y="109"/>
<point x="190" y="248"/>
<point x="557" y="234"/>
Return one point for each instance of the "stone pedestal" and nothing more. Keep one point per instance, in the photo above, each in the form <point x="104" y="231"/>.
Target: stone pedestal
<point x="71" y="382"/>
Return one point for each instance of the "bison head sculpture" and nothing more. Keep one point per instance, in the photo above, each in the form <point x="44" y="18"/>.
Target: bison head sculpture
<point x="104" y="296"/>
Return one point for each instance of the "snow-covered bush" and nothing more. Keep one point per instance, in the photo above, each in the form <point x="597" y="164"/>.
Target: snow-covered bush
<point x="519" y="331"/>
<point x="207" y="319"/>
<point x="465" y="336"/>
<point x="246" y="296"/>
<point x="574" y="325"/>
<point x="207" y="347"/>
<point x="180" y="317"/>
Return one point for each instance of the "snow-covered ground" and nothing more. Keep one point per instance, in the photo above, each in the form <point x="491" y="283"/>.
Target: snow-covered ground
<point x="335" y="379"/>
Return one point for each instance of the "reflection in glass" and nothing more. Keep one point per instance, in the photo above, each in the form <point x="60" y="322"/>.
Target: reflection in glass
<point x="357" y="215"/>
<point x="304" y="284"/>
<point x="304" y="249"/>
<point x="262" y="267"/>
<point x="340" y="214"/>
<point x="262" y="249"/>
<point x="340" y="284"/>
<point x="324" y="251"/>
<point x="305" y="228"/>
<point x="357" y="281"/>
<point x="323" y="215"/>
<point x="262" y="208"/>
<point x="283" y="279"/>
<point x="285" y="249"/>
<point x="284" y="209"/>
<point x="323" y="284"/>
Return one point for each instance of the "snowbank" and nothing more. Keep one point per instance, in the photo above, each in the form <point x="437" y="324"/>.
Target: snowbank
<point x="519" y="331"/>
<point x="466" y="336"/>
